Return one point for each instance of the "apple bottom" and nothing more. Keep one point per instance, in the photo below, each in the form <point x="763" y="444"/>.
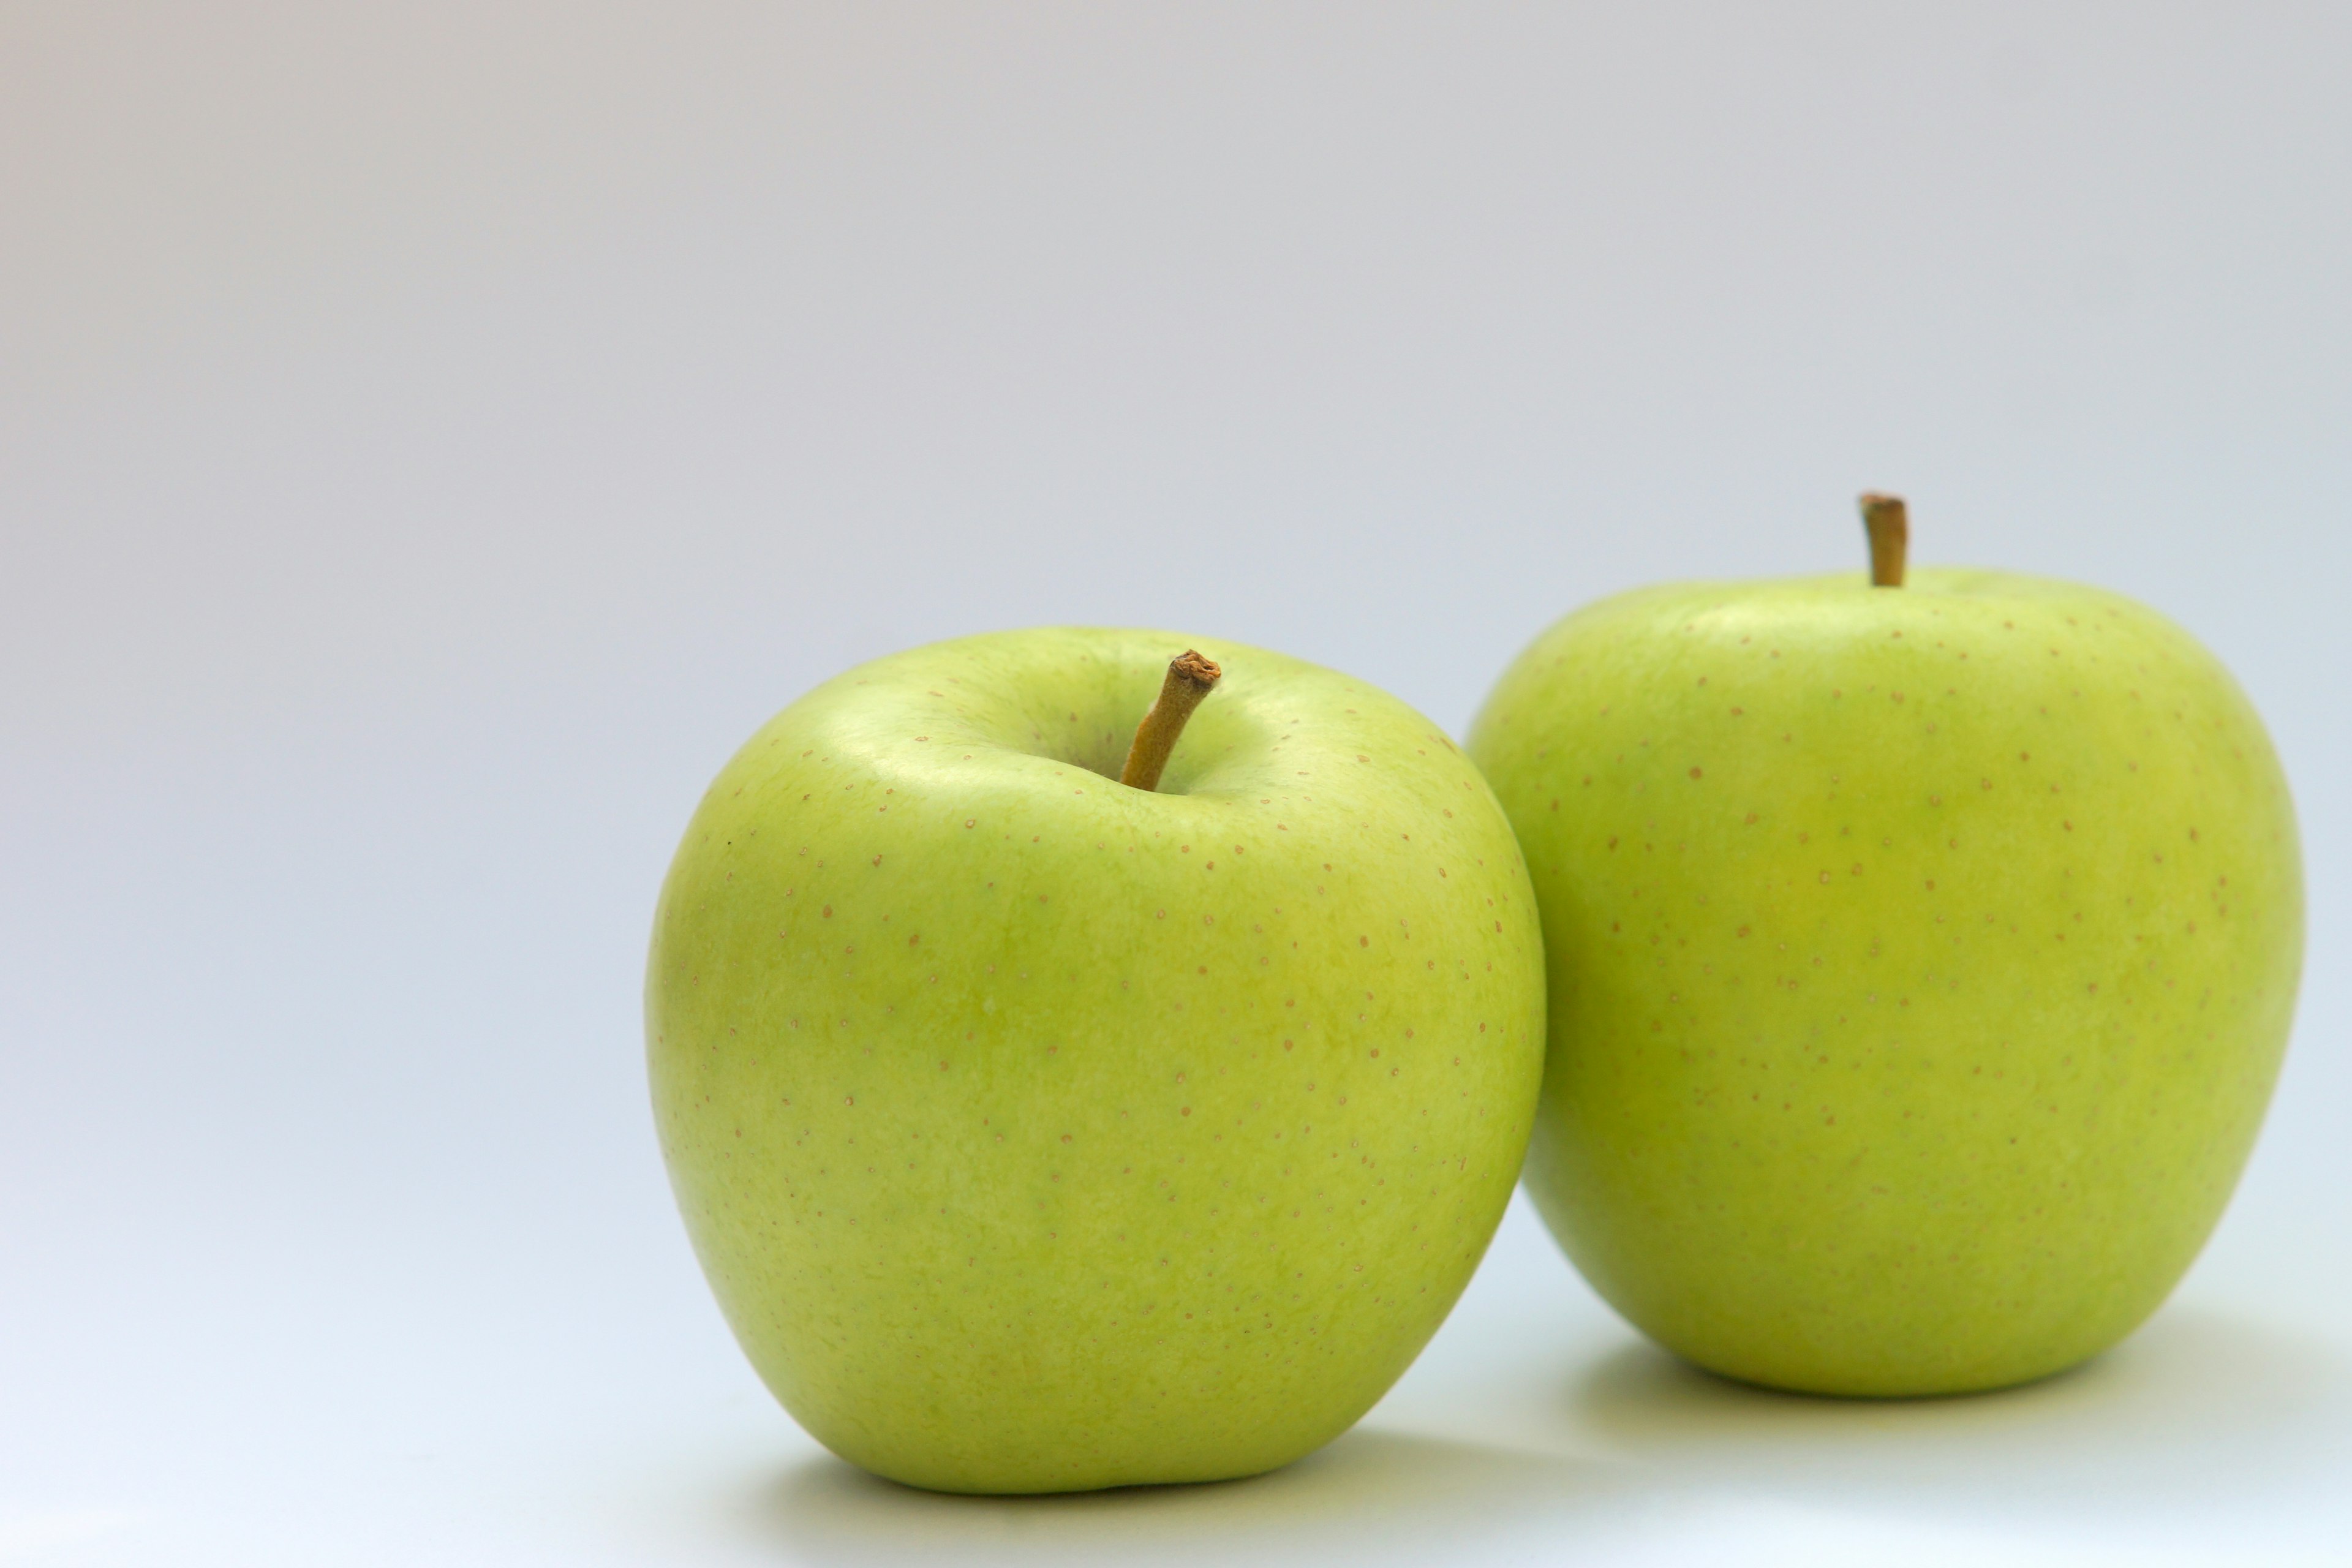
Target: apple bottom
<point x="1121" y="1311"/>
<point x="1915" y="1302"/>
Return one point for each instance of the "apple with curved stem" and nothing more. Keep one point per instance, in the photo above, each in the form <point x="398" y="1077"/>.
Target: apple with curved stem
<point x="1921" y="955"/>
<point x="1039" y="1131"/>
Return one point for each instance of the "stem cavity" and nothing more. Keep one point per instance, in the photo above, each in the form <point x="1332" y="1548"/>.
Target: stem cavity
<point x="1191" y="678"/>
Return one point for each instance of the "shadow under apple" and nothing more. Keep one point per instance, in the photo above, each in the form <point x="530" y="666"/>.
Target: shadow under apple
<point x="1371" y="1497"/>
<point x="2198" y="1406"/>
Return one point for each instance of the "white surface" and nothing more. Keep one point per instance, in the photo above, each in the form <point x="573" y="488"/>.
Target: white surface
<point x="458" y="1422"/>
<point x="432" y="437"/>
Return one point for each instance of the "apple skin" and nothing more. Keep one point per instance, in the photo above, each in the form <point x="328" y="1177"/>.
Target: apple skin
<point x="1037" y="1133"/>
<point x="1920" y="962"/>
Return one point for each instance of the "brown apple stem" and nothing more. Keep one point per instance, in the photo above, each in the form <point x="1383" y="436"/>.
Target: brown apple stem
<point x="1889" y="527"/>
<point x="1191" y="678"/>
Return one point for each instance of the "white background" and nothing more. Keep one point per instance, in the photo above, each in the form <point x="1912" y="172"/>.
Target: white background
<point x="433" y="435"/>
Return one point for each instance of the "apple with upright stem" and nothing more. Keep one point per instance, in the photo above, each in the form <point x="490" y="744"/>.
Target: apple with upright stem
<point x="1921" y="955"/>
<point x="1041" y="1131"/>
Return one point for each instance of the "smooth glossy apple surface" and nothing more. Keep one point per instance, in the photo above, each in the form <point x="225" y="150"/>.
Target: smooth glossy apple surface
<point x="1039" y="1133"/>
<point x="1920" y="961"/>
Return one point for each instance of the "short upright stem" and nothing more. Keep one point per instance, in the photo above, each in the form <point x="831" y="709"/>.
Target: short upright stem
<point x="1191" y="678"/>
<point x="1889" y="527"/>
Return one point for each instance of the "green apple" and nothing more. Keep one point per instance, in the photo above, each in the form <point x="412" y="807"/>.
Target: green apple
<point x="1920" y="961"/>
<point x="1037" y="1133"/>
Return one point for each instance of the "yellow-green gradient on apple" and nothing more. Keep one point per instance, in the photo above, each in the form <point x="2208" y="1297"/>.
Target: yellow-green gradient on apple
<point x="1920" y="961"/>
<point x="1037" y="1133"/>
